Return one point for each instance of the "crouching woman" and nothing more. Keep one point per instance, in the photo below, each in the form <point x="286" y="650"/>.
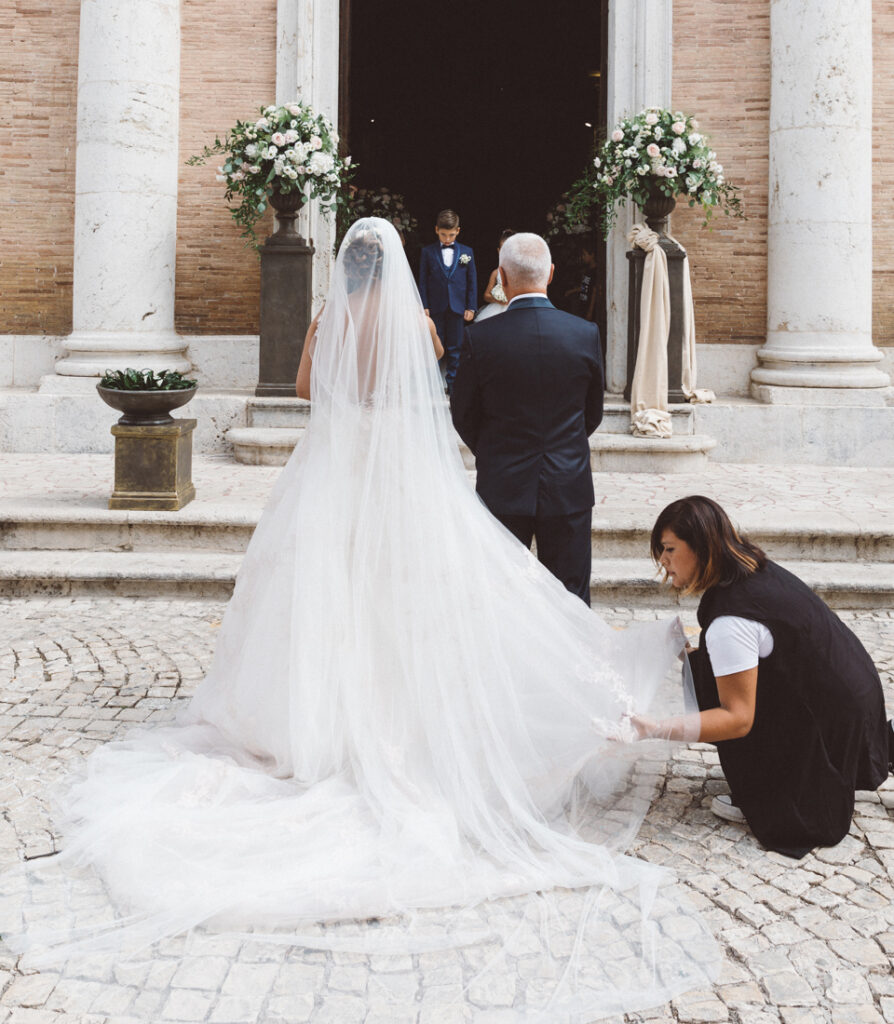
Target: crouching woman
<point x="786" y="691"/>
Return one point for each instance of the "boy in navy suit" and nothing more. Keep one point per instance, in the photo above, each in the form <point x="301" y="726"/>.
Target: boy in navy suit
<point x="448" y="286"/>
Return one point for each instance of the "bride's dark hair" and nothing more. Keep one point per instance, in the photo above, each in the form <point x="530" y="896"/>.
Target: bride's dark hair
<point x="363" y="257"/>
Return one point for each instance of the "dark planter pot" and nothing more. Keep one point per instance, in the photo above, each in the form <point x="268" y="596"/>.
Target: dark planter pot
<point x="287" y="207"/>
<point x="657" y="208"/>
<point x="145" y="408"/>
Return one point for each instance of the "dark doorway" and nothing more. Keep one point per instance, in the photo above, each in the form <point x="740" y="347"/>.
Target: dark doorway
<point x="491" y="109"/>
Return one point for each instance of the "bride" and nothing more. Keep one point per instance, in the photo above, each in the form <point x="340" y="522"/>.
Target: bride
<point x="411" y="739"/>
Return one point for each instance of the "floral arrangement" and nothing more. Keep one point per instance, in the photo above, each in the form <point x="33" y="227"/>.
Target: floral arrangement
<point x="288" y="149"/>
<point x="656" y="150"/>
<point x="375" y="202"/>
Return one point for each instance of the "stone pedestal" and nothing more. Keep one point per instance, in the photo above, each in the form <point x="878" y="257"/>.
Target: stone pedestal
<point x="676" y="255"/>
<point x="286" y="278"/>
<point x="819" y="239"/>
<point x="153" y="466"/>
<point x="126" y="189"/>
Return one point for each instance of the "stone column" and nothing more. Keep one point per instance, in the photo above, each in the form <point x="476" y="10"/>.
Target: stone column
<point x="640" y="47"/>
<point x="307" y="44"/>
<point x="819" y="260"/>
<point x="126" y="189"/>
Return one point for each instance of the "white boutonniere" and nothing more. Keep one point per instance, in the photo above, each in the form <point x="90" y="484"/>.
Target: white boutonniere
<point x="465" y="258"/>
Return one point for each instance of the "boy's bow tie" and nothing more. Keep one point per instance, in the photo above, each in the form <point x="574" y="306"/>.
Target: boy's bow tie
<point x="447" y="245"/>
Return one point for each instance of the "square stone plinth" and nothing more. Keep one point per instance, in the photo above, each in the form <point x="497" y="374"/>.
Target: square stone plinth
<point x="153" y="466"/>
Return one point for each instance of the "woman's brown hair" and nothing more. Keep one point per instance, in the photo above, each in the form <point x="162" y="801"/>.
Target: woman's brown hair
<point x="724" y="555"/>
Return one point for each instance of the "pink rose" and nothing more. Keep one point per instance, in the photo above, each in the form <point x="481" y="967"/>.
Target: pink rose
<point x="617" y="135"/>
<point x="653" y="150"/>
<point x="278" y="139"/>
<point x="678" y="127"/>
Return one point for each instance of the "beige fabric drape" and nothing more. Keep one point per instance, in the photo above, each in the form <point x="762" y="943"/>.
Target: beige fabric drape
<point x="648" y="392"/>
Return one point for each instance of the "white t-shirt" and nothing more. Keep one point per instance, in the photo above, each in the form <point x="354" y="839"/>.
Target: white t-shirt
<point x="736" y="644"/>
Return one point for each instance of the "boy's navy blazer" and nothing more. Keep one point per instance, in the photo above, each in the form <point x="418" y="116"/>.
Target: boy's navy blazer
<point x="442" y="288"/>
<point x="528" y="393"/>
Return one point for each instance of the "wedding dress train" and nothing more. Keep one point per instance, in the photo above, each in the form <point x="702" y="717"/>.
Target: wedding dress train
<point x="411" y="737"/>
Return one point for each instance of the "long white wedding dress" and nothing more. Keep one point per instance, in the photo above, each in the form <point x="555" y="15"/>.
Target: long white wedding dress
<point x="411" y="737"/>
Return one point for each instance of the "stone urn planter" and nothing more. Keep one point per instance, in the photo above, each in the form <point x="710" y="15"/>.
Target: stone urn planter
<point x="145" y="408"/>
<point x="153" y="450"/>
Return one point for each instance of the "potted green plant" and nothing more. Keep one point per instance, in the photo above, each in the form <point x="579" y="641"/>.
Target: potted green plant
<point x="145" y="397"/>
<point x="285" y="158"/>
<point x="650" y="159"/>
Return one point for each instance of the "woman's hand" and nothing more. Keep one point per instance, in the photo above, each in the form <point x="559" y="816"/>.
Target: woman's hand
<point x="645" y="727"/>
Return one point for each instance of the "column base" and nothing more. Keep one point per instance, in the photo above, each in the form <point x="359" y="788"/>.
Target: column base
<point x="91" y="353"/>
<point x="774" y="394"/>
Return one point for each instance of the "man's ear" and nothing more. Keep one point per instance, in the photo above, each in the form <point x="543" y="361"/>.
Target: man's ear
<point x="552" y="270"/>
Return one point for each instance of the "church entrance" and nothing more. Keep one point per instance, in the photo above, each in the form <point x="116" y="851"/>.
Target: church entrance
<point x="489" y="109"/>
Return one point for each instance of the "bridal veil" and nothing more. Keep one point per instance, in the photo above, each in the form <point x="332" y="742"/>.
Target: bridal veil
<point x="411" y="740"/>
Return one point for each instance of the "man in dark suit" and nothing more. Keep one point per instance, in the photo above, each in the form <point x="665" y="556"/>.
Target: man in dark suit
<point x="528" y="393"/>
<point x="448" y="286"/>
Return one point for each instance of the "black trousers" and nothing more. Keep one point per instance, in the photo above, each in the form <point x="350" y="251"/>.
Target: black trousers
<point x="563" y="546"/>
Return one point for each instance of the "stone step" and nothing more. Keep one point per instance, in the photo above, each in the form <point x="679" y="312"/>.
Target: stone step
<point x="609" y="453"/>
<point x="208" y="575"/>
<point x="295" y="412"/>
<point x="278" y="412"/>
<point x="227" y="528"/>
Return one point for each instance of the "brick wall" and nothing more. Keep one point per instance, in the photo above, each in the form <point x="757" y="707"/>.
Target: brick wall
<point x="38" y="115"/>
<point x="883" y="173"/>
<point x="227" y="71"/>
<point x="721" y="75"/>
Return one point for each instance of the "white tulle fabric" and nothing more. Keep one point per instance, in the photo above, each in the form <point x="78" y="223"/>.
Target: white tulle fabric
<point x="411" y="738"/>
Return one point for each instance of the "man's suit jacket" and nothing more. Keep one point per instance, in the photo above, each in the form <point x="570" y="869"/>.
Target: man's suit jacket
<point x="442" y="288"/>
<point x="528" y="394"/>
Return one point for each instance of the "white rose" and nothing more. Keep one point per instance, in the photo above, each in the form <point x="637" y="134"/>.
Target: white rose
<point x="239" y="176"/>
<point x="697" y="163"/>
<point x="278" y="139"/>
<point x="617" y="135"/>
<point x="254" y="169"/>
<point x="301" y="169"/>
<point x="694" y="139"/>
<point x="251" y="149"/>
<point x="678" y="127"/>
<point x="294" y="108"/>
<point x="657" y="131"/>
<point x="316" y="142"/>
<point x="678" y="146"/>
<point x="278" y="167"/>
<point x="270" y="110"/>
<point x="291" y="135"/>
<point x="320" y="163"/>
<point x="651" y="118"/>
<point x="262" y="123"/>
<point x="653" y="150"/>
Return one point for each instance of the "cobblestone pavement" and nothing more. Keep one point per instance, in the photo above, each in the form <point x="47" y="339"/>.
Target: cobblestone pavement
<point x="803" y="942"/>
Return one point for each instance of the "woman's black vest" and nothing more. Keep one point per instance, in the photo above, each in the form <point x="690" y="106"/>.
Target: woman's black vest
<point x="820" y="730"/>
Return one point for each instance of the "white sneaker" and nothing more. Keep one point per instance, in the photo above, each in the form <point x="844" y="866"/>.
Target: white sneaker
<point x="724" y="807"/>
